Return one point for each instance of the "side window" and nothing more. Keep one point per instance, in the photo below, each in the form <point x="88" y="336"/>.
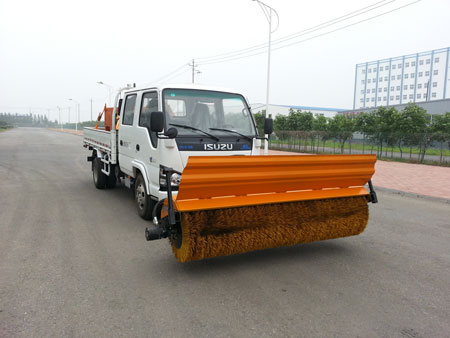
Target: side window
<point x="128" y="110"/>
<point x="149" y="105"/>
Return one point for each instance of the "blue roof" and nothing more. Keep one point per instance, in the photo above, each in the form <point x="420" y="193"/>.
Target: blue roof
<point x="311" y="108"/>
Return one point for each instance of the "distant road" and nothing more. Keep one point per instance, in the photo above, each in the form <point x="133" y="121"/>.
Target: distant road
<point x="74" y="263"/>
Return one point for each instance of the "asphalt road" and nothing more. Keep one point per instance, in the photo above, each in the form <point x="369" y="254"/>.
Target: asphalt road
<point x="74" y="263"/>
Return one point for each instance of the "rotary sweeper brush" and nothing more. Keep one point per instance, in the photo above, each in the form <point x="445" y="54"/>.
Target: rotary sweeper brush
<point x="234" y="204"/>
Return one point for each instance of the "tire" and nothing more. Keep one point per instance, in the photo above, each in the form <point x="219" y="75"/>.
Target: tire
<point x="100" y="179"/>
<point x="144" y="203"/>
<point x="111" y="180"/>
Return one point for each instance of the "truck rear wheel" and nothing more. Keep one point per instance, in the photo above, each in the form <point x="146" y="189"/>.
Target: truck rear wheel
<point x="143" y="201"/>
<point x="100" y="179"/>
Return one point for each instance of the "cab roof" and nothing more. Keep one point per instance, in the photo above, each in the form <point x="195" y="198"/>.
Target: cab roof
<point x="184" y="86"/>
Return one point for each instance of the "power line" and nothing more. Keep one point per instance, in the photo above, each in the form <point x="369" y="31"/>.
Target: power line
<point x="302" y="32"/>
<point x="313" y="37"/>
<point x="168" y="74"/>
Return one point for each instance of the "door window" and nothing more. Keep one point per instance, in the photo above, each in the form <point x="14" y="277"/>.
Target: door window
<point x="149" y="105"/>
<point x="128" y="111"/>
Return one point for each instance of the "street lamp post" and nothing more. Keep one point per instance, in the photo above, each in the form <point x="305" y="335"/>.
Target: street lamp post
<point x="267" y="10"/>
<point x="110" y="88"/>
<point x="77" y="119"/>
<point x="59" y="117"/>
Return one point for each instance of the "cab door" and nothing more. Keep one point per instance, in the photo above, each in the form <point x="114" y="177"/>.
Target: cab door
<point x="147" y="140"/>
<point x="127" y="144"/>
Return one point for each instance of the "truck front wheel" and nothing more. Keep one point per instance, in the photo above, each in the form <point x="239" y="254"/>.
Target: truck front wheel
<point x="100" y="179"/>
<point x="143" y="201"/>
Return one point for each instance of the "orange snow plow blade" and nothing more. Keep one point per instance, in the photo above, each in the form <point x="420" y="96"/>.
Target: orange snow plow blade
<point x="216" y="182"/>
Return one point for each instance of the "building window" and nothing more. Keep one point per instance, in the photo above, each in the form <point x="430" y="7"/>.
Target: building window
<point x="399" y="66"/>
<point x="373" y="99"/>
<point x="419" y="86"/>
<point x="381" y="68"/>
<point x="433" y="94"/>
<point x="393" y="66"/>
<point x="391" y="97"/>
<point x="392" y="88"/>
<point x="434" y="84"/>
<point x="379" y="90"/>
<point x="385" y="89"/>
<point x="380" y="79"/>
<point x="370" y="70"/>
<point x="398" y="87"/>
<point x="405" y="87"/>
<point x="419" y="96"/>
<point x="399" y="77"/>
<point x="374" y="80"/>
<point x="373" y="90"/>
<point x="393" y="77"/>
<point x="397" y="97"/>
<point x="435" y="72"/>
<point x="407" y="64"/>
<point x="421" y="62"/>
<point x="406" y="76"/>
<point x="404" y="97"/>
<point x="384" y="98"/>
<point x="428" y="61"/>
<point x="425" y="85"/>
<point x="412" y="75"/>
<point x="413" y="64"/>
<point x="361" y="100"/>
<point x="427" y="73"/>
<point x="385" y="78"/>
<point x="374" y="70"/>
<point x="364" y="71"/>
<point x="436" y="60"/>
<point x="420" y="74"/>
<point x="367" y="100"/>
<point x="368" y="91"/>
<point x="368" y="81"/>
<point x="411" y="96"/>
<point x="411" y="86"/>
<point x="379" y="99"/>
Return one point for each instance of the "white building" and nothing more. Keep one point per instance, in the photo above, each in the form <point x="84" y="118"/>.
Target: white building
<point x="416" y="77"/>
<point x="275" y="109"/>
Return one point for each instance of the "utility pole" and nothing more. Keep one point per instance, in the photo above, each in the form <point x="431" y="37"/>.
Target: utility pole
<point x="69" y="114"/>
<point x="48" y="116"/>
<point x="194" y="70"/>
<point x="59" y="113"/>
<point x="91" y="108"/>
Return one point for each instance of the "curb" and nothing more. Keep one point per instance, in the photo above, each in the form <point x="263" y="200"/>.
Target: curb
<point x="412" y="194"/>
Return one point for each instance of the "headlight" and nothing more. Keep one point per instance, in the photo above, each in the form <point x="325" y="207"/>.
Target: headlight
<point x="174" y="180"/>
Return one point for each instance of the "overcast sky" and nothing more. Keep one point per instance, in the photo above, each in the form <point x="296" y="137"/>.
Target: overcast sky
<point x="51" y="51"/>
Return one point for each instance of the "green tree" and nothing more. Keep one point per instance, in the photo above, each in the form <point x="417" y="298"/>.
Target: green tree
<point x="341" y="128"/>
<point x="412" y="124"/>
<point x="259" y="119"/>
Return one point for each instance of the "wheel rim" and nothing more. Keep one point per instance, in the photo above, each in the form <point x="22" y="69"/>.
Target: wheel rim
<point x="140" y="196"/>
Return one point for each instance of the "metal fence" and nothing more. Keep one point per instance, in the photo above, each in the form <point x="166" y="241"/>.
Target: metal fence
<point x="421" y="148"/>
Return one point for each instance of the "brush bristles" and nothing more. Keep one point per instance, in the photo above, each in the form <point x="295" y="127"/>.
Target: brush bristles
<point x="220" y="232"/>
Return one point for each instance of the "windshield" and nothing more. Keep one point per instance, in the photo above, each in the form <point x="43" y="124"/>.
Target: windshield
<point x="207" y="110"/>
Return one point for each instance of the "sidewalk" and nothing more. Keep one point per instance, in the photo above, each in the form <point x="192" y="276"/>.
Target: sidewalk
<point x="412" y="178"/>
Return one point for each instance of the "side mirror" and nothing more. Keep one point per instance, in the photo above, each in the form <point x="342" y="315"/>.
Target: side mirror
<point x="268" y="126"/>
<point x="171" y="132"/>
<point x="157" y="121"/>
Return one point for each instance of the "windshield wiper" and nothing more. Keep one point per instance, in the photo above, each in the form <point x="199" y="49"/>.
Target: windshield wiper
<point x="195" y="129"/>
<point x="234" y="132"/>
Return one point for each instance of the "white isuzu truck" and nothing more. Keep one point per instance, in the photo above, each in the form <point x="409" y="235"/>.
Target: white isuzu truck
<point x="178" y="147"/>
<point x="160" y="127"/>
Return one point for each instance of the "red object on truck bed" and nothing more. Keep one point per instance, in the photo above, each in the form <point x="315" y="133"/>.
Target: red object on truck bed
<point x="108" y="112"/>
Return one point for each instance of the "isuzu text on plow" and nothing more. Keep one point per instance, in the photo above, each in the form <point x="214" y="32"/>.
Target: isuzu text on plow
<point x="192" y="155"/>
